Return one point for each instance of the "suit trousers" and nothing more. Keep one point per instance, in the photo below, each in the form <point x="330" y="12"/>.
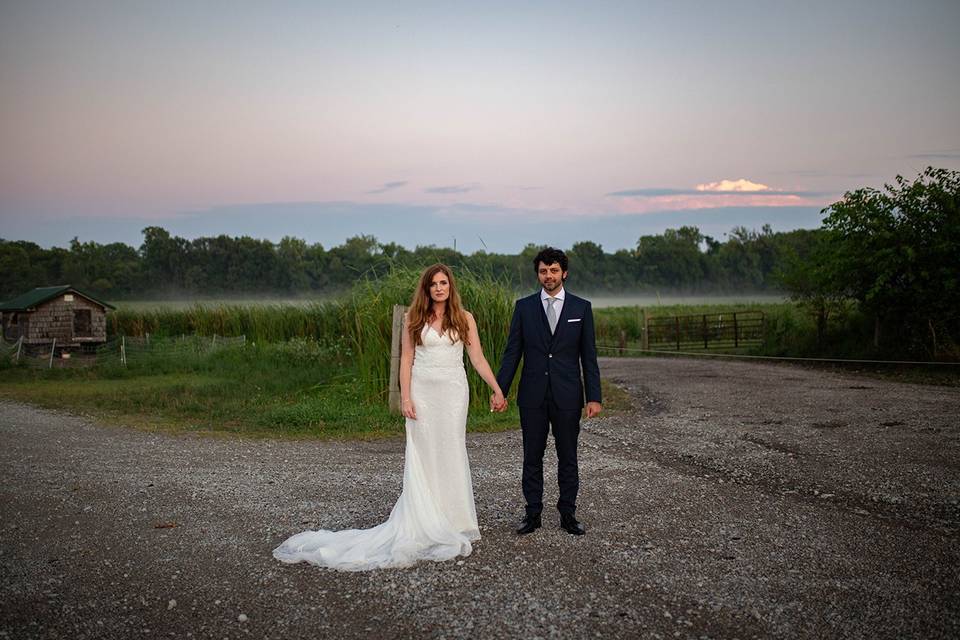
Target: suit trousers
<point x="535" y="423"/>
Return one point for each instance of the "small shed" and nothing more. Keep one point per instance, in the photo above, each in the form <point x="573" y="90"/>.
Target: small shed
<point x="64" y="313"/>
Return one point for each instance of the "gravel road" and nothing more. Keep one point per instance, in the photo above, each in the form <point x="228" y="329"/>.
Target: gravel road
<point x="736" y="500"/>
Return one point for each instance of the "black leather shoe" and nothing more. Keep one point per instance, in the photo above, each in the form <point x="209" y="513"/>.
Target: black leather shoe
<point x="529" y="525"/>
<point x="569" y="524"/>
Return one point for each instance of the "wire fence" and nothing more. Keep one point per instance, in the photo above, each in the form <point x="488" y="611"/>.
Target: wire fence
<point x="621" y="350"/>
<point x="11" y="350"/>
<point x="122" y="351"/>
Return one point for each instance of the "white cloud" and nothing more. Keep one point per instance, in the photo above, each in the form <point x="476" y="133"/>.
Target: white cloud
<point x="740" y="185"/>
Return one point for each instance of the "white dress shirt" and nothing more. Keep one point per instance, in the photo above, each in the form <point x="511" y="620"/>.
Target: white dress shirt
<point x="557" y="306"/>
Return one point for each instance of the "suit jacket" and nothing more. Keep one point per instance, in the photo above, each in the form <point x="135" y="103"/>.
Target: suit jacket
<point x="555" y="360"/>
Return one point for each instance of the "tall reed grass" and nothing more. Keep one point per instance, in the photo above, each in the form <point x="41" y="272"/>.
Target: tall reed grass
<point x="359" y="322"/>
<point x="259" y="323"/>
<point x="367" y="314"/>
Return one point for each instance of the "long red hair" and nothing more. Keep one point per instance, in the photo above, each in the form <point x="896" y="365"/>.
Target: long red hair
<point x="420" y="314"/>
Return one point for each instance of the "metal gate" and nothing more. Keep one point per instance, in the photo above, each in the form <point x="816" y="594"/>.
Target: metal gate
<point x="706" y="331"/>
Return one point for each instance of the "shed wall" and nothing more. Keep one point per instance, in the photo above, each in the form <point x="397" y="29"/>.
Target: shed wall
<point x="55" y="319"/>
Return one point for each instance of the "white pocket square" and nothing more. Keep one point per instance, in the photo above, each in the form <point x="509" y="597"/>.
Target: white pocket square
<point x="574" y="319"/>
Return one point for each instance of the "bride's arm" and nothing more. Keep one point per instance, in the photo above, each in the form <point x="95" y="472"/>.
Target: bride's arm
<point x="406" y="371"/>
<point x="479" y="362"/>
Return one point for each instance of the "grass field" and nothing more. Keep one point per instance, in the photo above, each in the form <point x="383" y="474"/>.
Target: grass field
<point x="317" y="369"/>
<point x="290" y="390"/>
<point x="320" y="368"/>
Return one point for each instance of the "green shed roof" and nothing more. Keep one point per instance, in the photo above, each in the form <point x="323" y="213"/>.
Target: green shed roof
<point x="38" y="296"/>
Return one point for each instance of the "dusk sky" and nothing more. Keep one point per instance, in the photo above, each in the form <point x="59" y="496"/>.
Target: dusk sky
<point x="495" y="124"/>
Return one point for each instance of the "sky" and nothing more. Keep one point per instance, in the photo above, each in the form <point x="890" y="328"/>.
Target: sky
<point x="485" y="126"/>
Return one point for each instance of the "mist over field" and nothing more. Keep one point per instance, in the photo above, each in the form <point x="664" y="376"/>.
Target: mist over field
<point x="600" y="300"/>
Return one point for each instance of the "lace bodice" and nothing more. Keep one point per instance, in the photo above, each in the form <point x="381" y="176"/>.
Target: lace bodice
<point x="436" y="351"/>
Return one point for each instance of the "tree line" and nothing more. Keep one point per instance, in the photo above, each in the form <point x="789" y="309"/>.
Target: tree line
<point x="679" y="259"/>
<point x="886" y="258"/>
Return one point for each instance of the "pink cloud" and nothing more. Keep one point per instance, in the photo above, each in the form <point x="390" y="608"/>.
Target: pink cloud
<point x="710" y="195"/>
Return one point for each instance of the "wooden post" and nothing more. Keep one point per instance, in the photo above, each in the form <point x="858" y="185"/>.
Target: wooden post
<point x="623" y="341"/>
<point x="19" y="346"/>
<point x="705" y="339"/>
<point x="53" y="349"/>
<point x="933" y="337"/>
<point x="736" y="331"/>
<point x="644" y="330"/>
<point x="394" y="392"/>
<point x="123" y="350"/>
<point x="677" y="325"/>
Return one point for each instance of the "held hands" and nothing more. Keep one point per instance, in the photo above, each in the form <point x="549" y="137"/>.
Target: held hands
<point x="408" y="410"/>
<point x="594" y="409"/>
<point x="498" y="403"/>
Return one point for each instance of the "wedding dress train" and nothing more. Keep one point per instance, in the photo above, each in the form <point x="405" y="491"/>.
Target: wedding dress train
<point x="435" y="517"/>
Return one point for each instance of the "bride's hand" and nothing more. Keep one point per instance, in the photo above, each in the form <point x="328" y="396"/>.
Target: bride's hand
<point x="497" y="401"/>
<point x="408" y="410"/>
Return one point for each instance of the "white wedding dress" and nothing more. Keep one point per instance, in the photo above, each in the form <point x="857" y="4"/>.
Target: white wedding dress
<point x="435" y="517"/>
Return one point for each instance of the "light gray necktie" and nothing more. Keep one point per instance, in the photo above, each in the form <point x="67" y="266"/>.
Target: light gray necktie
<point x="551" y="314"/>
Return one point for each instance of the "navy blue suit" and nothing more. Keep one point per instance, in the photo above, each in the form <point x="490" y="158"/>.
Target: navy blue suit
<point x="551" y="390"/>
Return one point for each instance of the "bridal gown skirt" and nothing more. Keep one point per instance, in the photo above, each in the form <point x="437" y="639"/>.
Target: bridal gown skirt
<point x="435" y="517"/>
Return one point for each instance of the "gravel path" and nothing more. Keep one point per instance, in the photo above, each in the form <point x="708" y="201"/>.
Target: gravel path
<point x="737" y="500"/>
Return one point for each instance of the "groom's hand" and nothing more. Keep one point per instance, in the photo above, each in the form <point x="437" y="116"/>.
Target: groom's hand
<point x="594" y="409"/>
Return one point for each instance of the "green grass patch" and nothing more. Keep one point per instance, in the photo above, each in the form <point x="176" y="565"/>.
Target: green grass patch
<point x="287" y="390"/>
<point x="294" y="389"/>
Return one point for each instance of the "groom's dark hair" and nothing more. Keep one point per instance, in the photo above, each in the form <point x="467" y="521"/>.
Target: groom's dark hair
<point x="549" y="256"/>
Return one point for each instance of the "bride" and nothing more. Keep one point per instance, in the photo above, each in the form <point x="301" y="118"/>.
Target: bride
<point x="435" y="517"/>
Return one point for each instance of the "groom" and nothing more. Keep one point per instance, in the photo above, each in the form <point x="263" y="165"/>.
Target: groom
<point x="552" y="331"/>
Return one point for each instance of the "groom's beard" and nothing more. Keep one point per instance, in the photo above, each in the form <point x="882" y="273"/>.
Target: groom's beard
<point x="551" y="287"/>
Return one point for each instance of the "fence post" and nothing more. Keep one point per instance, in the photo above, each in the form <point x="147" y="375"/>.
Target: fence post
<point x="393" y="395"/>
<point x="736" y="332"/>
<point x="19" y="346"/>
<point x="53" y="350"/>
<point x="705" y="339"/>
<point x="677" y="325"/>
<point x="123" y="350"/>
<point x="623" y="341"/>
<point x="644" y="330"/>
